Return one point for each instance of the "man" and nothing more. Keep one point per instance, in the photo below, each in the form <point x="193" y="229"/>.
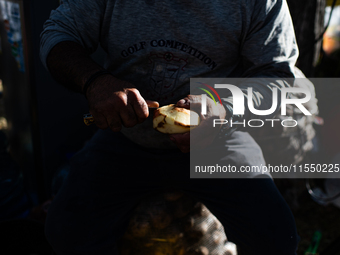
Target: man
<point x="154" y="48"/>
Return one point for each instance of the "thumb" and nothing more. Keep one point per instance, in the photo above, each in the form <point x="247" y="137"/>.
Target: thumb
<point x="152" y="104"/>
<point x="190" y="102"/>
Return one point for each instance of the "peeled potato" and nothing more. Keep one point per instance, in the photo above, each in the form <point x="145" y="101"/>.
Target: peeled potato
<point x="170" y="119"/>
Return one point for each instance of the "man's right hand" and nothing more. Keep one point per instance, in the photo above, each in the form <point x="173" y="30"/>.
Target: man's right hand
<point x="114" y="103"/>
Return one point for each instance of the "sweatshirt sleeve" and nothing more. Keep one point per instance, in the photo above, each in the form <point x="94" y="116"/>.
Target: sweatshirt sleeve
<point x="269" y="50"/>
<point x="74" y="20"/>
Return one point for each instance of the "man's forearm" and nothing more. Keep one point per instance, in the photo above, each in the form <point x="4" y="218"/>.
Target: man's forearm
<point x="70" y="64"/>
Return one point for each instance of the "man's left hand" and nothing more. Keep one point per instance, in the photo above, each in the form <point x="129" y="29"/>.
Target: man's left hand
<point x="203" y="135"/>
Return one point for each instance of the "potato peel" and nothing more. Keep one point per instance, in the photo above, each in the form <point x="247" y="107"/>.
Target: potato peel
<point x="170" y="119"/>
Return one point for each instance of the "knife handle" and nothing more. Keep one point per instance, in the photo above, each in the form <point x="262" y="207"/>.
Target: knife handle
<point x="88" y="119"/>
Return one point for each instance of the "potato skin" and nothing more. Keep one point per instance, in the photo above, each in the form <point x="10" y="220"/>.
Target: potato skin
<point x="156" y="113"/>
<point x="170" y="119"/>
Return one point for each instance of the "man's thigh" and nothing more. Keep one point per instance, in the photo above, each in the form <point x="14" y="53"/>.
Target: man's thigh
<point x="237" y="156"/>
<point x="91" y="210"/>
<point x="108" y="178"/>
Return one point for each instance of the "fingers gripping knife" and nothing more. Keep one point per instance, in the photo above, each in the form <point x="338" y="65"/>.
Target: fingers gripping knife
<point x="88" y="118"/>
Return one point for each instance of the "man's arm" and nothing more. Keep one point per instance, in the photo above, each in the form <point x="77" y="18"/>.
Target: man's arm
<point x="73" y="21"/>
<point x="268" y="50"/>
<point x="112" y="102"/>
<point x="70" y="65"/>
<point x="67" y="41"/>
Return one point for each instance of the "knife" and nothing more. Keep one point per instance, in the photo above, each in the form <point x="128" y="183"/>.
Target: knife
<point x="88" y="118"/>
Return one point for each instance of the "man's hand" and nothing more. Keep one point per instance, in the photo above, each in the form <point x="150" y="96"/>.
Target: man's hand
<point x="114" y="103"/>
<point x="205" y="133"/>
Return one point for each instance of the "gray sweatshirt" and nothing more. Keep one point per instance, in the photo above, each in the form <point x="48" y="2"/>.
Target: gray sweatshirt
<point x="159" y="45"/>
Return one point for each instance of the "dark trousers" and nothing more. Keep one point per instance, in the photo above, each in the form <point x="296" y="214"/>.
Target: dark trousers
<point x="110" y="175"/>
